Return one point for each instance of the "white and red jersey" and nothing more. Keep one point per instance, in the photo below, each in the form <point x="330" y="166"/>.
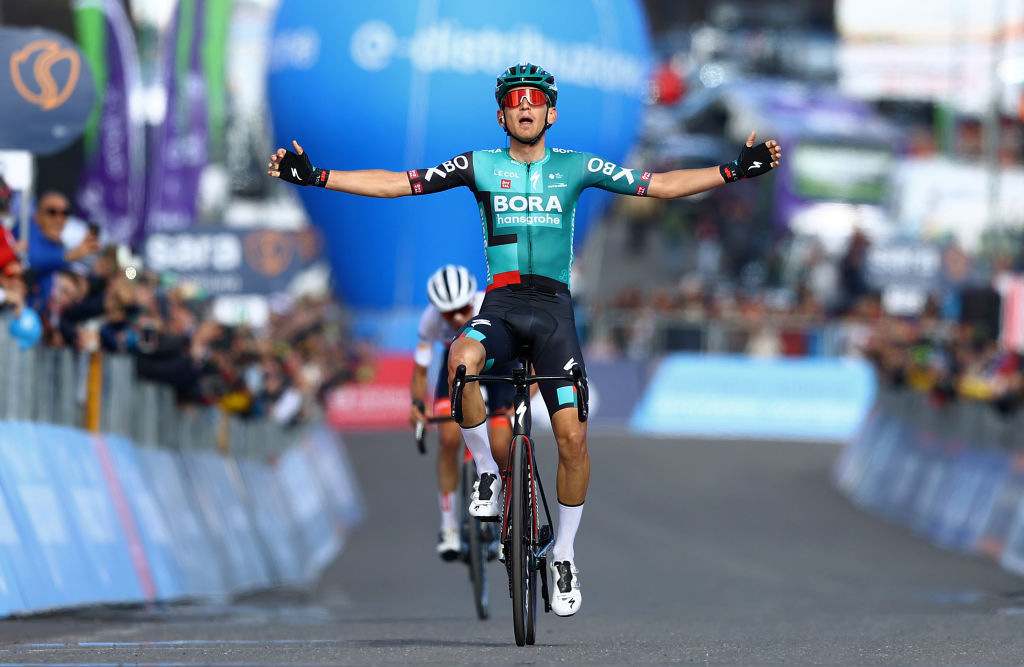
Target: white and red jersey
<point x="435" y="329"/>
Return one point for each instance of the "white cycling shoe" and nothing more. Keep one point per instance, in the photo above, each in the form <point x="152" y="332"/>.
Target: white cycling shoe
<point x="565" y="587"/>
<point x="449" y="544"/>
<point x="485" y="503"/>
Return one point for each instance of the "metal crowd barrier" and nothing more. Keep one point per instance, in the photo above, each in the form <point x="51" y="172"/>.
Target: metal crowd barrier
<point x="646" y="333"/>
<point x="51" y="385"/>
<point x="967" y="422"/>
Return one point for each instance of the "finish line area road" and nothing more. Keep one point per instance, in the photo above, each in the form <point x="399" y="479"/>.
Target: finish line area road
<point x="689" y="551"/>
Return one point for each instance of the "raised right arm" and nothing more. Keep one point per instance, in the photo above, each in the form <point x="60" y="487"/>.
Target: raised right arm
<point x="370" y="182"/>
<point x="365" y="182"/>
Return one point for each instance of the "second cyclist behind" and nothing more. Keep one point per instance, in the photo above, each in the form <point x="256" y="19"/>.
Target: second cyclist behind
<point x="453" y="300"/>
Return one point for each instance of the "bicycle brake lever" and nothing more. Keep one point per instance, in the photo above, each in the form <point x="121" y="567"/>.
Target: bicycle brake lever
<point x="420" y="441"/>
<point x="457" y="382"/>
<point x="582" y="394"/>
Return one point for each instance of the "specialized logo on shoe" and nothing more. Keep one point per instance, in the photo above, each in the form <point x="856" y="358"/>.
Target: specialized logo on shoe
<point x="566" y="579"/>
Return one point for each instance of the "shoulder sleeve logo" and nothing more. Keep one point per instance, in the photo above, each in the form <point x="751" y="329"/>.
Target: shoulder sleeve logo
<point x="44" y="54"/>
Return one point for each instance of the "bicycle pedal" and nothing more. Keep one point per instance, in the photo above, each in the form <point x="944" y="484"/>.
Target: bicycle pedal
<point x="489" y="519"/>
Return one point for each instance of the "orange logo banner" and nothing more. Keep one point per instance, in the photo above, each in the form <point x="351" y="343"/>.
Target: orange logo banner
<point x="268" y="252"/>
<point x="49" y="94"/>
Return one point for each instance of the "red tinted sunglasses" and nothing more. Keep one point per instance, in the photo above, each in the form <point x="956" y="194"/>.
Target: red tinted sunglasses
<point x="533" y="96"/>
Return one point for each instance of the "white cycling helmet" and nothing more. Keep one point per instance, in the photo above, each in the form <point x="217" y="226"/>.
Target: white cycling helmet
<point x="451" y="288"/>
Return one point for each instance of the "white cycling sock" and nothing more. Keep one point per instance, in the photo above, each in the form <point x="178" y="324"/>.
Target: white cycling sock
<point x="480" y="447"/>
<point x="568" y="524"/>
<point x="447" y="503"/>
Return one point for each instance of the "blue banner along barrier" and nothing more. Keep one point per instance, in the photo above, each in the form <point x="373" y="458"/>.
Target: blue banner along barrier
<point x="226" y="522"/>
<point x="338" y="484"/>
<point x="11" y="550"/>
<point x="997" y="515"/>
<point x="56" y="574"/>
<point x="147" y="516"/>
<point x="909" y="464"/>
<point x="273" y="522"/>
<point x="319" y="537"/>
<point x="72" y="457"/>
<point x="198" y="562"/>
<point x="88" y="519"/>
<point x="736" y="396"/>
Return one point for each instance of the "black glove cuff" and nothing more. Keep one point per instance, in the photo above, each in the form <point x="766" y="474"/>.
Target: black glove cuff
<point x="419" y="404"/>
<point x="319" y="178"/>
<point x="730" y="171"/>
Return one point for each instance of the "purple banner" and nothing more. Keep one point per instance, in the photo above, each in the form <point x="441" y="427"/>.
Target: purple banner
<point x="112" y="187"/>
<point x="179" y="149"/>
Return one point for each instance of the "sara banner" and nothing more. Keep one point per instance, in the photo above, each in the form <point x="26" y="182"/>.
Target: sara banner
<point x="225" y="261"/>
<point x="47" y="91"/>
<point x="112" y="186"/>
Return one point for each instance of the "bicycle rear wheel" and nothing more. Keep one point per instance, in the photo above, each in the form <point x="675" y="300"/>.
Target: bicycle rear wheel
<point x="477" y="545"/>
<point x="524" y="536"/>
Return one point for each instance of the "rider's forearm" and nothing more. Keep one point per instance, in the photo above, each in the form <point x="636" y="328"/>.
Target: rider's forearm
<point x="683" y="182"/>
<point x="418" y="384"/>
<point x="370" y="182"/>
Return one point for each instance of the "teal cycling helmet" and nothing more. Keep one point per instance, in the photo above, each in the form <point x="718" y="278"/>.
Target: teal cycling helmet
<point x="530" y="75"/>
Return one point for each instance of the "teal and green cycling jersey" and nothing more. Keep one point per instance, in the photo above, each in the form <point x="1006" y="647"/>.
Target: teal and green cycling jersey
<point x="528" y="210"/>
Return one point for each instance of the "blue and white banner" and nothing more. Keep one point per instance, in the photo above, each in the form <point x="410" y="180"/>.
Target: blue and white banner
<point x="736" y="396"/>
<point x="148" y="516"/>
<point x="89" y="519"/>
<point x="199" y="563"/>
<point x="84" y="493"/>
<point x="51" y="567"/>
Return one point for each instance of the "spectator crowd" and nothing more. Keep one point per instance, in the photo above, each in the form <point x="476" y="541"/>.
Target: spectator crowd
<point x="90" y="297"/>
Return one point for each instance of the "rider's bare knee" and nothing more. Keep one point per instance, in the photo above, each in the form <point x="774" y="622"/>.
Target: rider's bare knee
<point x="572" y="445"/>
<point x="469" y="354"/>
<point x="450" y="445"/>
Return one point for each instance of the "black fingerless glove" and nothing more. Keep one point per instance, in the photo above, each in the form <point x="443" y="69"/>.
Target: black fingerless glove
<point x="753" y="161"/>
<point x="296" y="168"/>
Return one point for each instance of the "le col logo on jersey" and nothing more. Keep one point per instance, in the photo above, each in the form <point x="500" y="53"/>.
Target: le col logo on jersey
<point x="597" y="165"/>
<point x="504" y="203"/>
<point x="447" y="167"/>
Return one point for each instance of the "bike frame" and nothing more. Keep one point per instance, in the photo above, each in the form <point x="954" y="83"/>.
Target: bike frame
<point x="541" y="537"/>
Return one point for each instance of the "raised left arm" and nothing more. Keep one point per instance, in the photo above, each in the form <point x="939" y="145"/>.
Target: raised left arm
<point x="753" y="161"/>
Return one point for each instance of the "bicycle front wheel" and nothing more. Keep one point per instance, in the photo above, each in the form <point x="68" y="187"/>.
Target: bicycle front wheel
<point x="523" y="538"/>
<point x="476" y="544"/>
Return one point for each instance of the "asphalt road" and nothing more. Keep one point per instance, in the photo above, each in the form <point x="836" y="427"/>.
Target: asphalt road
<point x="689" y="551"/>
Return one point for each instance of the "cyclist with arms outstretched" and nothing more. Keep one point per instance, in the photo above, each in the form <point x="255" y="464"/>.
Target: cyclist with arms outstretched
<point x="527" y="196"/>
<point x="454" y="299"/>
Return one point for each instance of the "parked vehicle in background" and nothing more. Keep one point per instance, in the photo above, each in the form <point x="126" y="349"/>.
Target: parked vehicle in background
<point x="840" y="153"/>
